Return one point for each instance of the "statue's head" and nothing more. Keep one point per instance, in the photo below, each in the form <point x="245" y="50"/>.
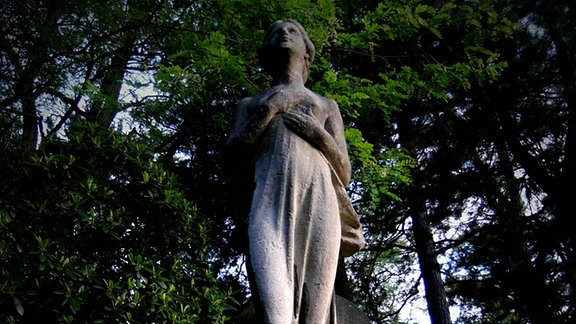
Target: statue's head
<point x="267" y="54"/>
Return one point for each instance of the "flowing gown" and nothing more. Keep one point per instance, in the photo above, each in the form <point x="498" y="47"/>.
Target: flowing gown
<point x="294" y="229"/>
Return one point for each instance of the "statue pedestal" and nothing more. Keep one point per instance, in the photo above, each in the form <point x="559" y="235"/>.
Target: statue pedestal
<point x="347" y="313"/>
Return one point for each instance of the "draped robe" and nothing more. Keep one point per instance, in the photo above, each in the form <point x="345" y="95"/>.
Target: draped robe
<point x="294" y="229"/>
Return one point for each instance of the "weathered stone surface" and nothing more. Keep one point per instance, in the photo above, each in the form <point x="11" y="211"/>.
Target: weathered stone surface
<point x="301" y="220"/>
<point x="347" y="313"/>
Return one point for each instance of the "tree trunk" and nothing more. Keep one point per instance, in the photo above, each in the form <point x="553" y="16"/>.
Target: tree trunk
<point x="105" y="109"/>
<point x="29" y="118"/>
<point x="435" y="294"/>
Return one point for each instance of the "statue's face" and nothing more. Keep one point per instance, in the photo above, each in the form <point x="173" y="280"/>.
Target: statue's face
<point x="287" y="35"/>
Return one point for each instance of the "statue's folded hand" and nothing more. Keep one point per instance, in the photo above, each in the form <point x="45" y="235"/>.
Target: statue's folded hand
<point x="303" y="124"/>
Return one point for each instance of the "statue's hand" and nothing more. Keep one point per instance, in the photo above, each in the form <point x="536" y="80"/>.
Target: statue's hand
<point x="304" y="124"/>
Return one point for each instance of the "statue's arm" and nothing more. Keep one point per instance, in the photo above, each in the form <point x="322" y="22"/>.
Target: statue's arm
<point x="253" y="114"/>
<point x="338" y="155"/>
<point x="329" y="138"/>
<point x="249" y="123"/>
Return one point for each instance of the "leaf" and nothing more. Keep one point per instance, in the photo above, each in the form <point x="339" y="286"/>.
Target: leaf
<point x="19" y="306"/>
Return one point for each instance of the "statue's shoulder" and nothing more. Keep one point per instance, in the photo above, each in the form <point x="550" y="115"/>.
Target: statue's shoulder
<point x="329" y="103"/>
<point x="243" y="106"/>
<point x="321" y="98"/>
<point x="245" y="101"/>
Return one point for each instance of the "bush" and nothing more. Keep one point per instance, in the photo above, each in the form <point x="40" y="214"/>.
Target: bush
<point x="92" y="229"/>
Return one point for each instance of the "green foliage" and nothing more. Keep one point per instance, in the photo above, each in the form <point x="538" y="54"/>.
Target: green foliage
<point x="417" y="35"/>
<point x="455" y="110"/>
<point x="420" y="61"/>
<point x="102" y="233"/>
<point x="379" y="172"/>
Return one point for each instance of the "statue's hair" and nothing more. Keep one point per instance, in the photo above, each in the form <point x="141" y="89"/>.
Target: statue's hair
<point x="266" y="60"/>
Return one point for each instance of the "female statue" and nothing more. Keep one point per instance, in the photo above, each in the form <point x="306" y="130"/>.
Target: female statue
<point x="300" y="212"/>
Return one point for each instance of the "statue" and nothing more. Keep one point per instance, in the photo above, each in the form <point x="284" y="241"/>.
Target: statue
<point x="301" y="218"/>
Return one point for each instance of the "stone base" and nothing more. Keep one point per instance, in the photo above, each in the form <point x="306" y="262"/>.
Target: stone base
<point x="347" y="313"/>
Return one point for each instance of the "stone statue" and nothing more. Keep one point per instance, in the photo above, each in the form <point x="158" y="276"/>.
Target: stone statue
<point x="301" y="219"/>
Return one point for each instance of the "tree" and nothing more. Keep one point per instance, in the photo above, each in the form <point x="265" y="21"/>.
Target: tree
<point x="114" y="197"/>
<point x="483" y="114"/>
<point x="530" y="128"/>
<point x="420" y="58"/>
<point x="92" y="227"/>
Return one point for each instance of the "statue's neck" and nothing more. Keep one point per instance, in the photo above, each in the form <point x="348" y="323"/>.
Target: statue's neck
<point x="288" y="79"/>
<point x="289" y="72"/>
